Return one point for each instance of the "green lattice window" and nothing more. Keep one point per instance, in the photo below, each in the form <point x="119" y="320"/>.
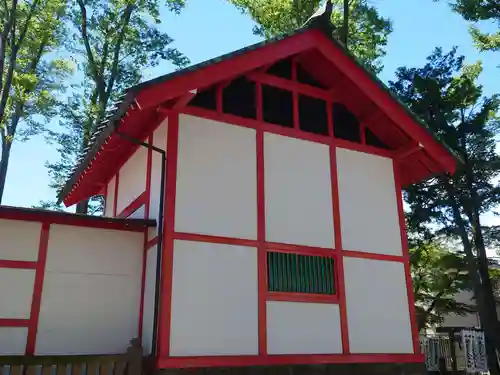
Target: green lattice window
<point x="295" y="273"/>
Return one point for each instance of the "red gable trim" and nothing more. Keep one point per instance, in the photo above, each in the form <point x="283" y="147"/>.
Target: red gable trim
<point x="231" y="67"/>
<point x="151" y="95"/>
<point x="300" y="42"/>
<point x="385" y="102"/>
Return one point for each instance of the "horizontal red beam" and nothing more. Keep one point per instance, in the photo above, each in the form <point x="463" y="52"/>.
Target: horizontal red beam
<point x="341" y="143"/>
<point x="214" y="239"/>
<point x="281" y="130"/>
<point x="21" y="264"/>
<point x="14" y="322"/>
<point x="302" y="297"/>
<point x="269" y="360"/>
<point x="299" y="249"/>
<point x="285" y="84"/>
<point x="365" y="255"/>
<point x="406" y="151"/>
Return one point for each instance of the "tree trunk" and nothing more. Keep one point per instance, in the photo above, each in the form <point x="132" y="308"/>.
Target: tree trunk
<point x="345" y="26"/>
<point x="82" y="207"/>
<point x="4" y="163"/>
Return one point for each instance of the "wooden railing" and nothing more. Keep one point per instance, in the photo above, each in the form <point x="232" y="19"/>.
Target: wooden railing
<point x="129" y="363"/>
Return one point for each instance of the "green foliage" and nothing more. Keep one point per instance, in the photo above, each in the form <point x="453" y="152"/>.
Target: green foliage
<point x="368" y="31"/>
<point x="114" y="42"/>
<point x="438" y="276"/>
<point x="31" y="74"/>
<point x="477" y="11"/>
<point x="446" y="95"/>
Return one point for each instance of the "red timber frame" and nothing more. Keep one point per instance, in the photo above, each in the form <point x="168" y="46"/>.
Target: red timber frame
<point x="47" y="218"/>
<point x="144" y="199"/>
<point x="337" y="252"/>
<point x="156" y="98"/>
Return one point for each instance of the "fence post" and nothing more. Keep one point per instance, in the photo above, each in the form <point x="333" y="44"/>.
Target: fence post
<point x="134" y="358"/>
<point x="453" y="352"/>
<point x="442" y="366"/>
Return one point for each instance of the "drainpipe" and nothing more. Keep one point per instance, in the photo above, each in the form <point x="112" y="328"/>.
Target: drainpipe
<point x="159" y="247"/>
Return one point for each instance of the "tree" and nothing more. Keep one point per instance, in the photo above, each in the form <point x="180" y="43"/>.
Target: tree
<point x="446" y="95"/>
<point x="438" y="275"/>
<point x="367" y="30"/>
<point x="115" y="41"/>
<point x="30" y="78"/>
<point x="477" y="11"/>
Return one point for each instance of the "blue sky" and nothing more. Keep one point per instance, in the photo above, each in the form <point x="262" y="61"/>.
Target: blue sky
<point x="208" y="28"/>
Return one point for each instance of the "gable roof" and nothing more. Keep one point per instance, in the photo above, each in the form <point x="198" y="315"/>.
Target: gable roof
<point x="149" y="95"/>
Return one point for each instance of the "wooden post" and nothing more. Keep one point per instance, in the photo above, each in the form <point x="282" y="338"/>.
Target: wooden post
<point x="134" y="358"/>
<point x="454" y="368"/>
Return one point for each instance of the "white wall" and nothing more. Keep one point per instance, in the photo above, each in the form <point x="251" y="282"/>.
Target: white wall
<point x="138" y="214"/>
<point x="303" y="328"/>
<point x="18" y="242"/>
<point x="160" y="141"/>
<point x="298" y="192"/>
<point x="110" y="198"/>
<point x="368" y="205"/>
<point x="216" y="179"/>
<point x="214" y="300"/>
<point x="132" y="179"/>
<point x="16" y="291"/>
<point x="91" y="291"/>
<point x="13" y="340"/>
<point x="378" y="314"/>
<point x="149" y="300"/>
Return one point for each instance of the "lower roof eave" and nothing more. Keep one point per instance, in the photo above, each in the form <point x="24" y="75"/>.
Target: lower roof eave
<point x="67" y="218"/>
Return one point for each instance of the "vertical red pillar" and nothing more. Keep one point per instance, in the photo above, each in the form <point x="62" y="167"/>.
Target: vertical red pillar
<point x="168" y="238"/>
<point x="406" y="257"/>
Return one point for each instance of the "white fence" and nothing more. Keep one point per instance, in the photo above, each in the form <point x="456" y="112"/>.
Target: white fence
<point x="470" y="351"/>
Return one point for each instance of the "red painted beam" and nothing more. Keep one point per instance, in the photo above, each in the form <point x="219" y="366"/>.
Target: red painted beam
<point x="295" y="359"/>
<point x="404" y="152"/>
<point x="216" y="72"/>
<point x="285" y="84"/>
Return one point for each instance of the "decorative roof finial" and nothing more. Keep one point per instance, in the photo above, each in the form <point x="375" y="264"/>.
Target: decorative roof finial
<point x="321" y="19"/>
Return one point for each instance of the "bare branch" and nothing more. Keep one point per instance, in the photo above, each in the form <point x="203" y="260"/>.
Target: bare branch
<point x="26" y="24"/>
<point x="98" y="79"/>
<point x="116" y="55"/>
<point x="10" y="73"/>
<point x="3" y="39"/>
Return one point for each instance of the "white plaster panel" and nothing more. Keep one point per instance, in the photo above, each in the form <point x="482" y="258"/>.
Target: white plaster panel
<point x="303" y="328"/>
<point x="13" y="340"/>
<point x="298" y="192"/>
<point x="149" y="300"/>
<point x="216" y="179"/>
<point x="91" y="250"/>
<point x="138" y="214"/>
<point x="378" y="314"/>
<point x="152" y="233"/>
<point x="91" y="291"/>
<point x="160" y="141"/>
<point x="16" y="292"/>
<point x="110" y="198"/>
<point x="19" y="240"/>
<point x="368" y="205"/>
<point x="214" y="300"/>
<point x="132" y="179"/>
